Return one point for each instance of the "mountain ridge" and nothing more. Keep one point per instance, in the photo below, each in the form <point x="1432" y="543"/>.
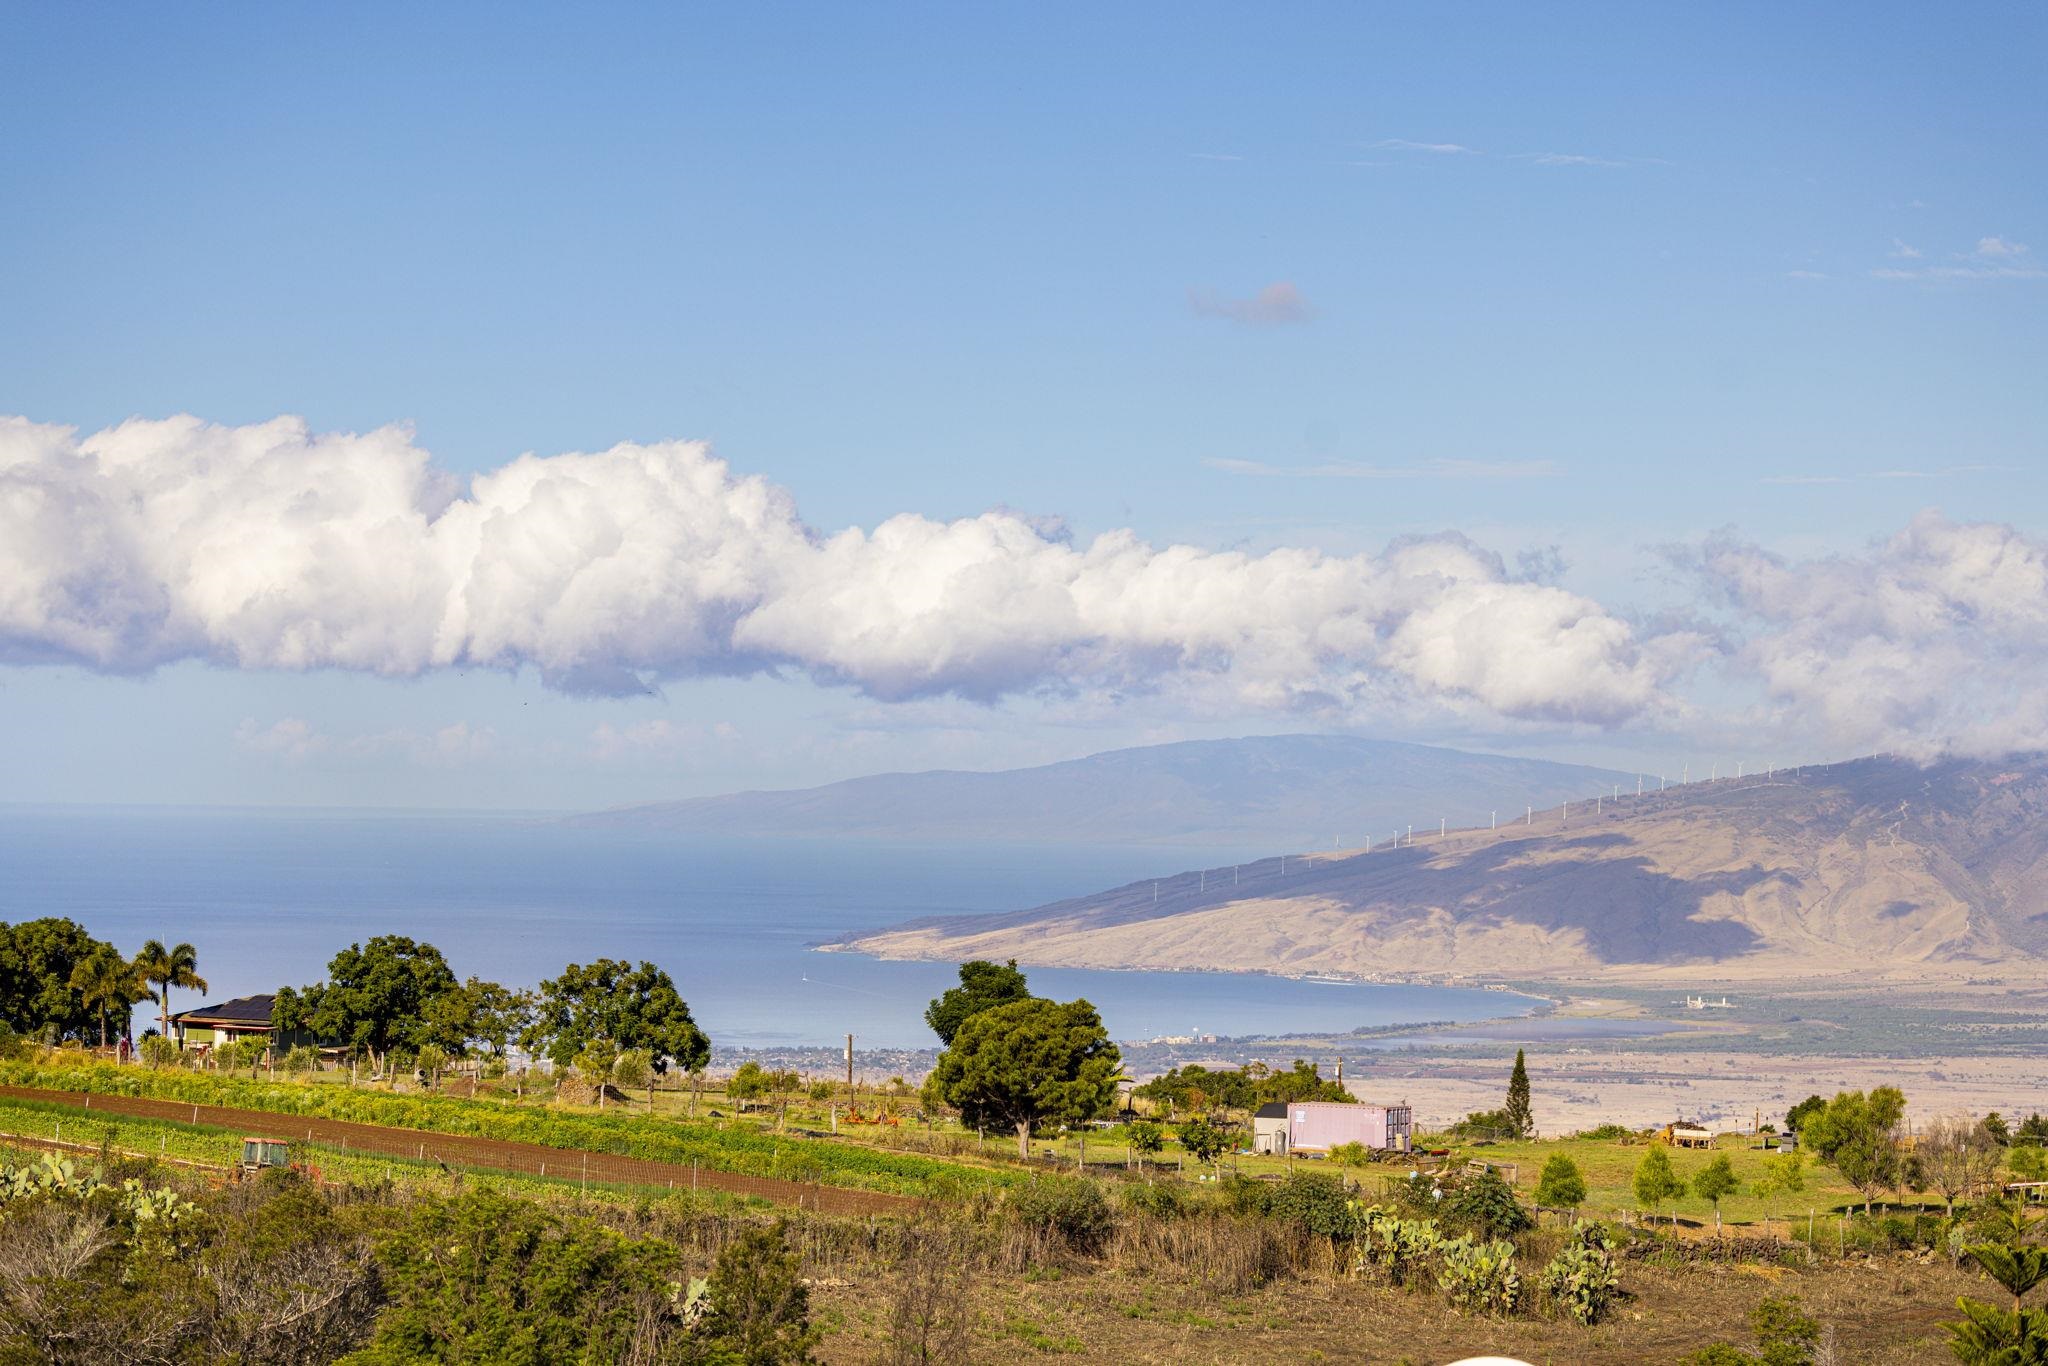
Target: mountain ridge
<point x="1255" y="790"/>
<point x="1871" y="864"/>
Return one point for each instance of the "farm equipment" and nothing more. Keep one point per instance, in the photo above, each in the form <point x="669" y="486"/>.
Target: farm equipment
<point x="260" y="1155"/>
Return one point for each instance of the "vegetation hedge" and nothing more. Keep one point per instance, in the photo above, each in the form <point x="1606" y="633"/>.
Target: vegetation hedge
<point x="742" y="1151"/>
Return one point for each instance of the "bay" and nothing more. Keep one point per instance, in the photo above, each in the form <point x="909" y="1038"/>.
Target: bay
<point x="267" y="896"/>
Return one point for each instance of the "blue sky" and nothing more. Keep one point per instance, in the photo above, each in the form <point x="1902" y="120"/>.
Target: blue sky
<point x="1605" y="281"/>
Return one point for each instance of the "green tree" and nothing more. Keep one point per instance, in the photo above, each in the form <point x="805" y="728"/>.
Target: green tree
<point x="164" y="968"/>
<point x="749" y="1083"/>
<point x="1203" y="1141"/>
<point x="1655" y="1182"/>
<point x="1521" y="1120"/>
<point x="635" y="1068"/>
<point x="1560" y="1186"/>
<point x="631" y="1007"/>
<point x="594" y="1065"/>
<point x="1783" y="1172"/>
<point x="1029" y="1063"/>
<point x="480" y="1012"/>
<point x="983" y="985"/>
<point x="37" y="958"/>
<point x="1146" y="1136"/>
<point x="377" y="997"/>
<point x="760" y="1308"/>
<point x="1796" y="1117"/>
<point x="1858" y="1136"/>
<point x="105" y="981"/>
<point x="1713" y="1181"/>
<point x="1994" y="1126"/>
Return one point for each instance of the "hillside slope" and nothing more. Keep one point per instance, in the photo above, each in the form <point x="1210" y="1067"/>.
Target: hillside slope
<point x="1871" y="864"/>
<point x="1282" y="790"/>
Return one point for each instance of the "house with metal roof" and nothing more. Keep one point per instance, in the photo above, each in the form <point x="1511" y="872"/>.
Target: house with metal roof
<point x="207" y="1027"/>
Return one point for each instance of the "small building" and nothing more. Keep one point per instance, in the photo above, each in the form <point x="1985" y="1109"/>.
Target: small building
<point x="1269" y="1127"/>
<point x="1684" y="1135"/>
<point x="207" y="1027"/>
<point x="1316" y="1126"/>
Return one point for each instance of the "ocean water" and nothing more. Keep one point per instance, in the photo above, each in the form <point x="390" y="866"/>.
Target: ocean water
<point x="267" y="897"/>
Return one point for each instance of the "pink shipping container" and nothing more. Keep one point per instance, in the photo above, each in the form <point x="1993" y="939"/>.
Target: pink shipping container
<point x="1320" y="1125"/>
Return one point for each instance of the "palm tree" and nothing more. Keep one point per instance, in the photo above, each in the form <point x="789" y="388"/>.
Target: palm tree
<point x="166" y="968"/>
<point x="104" y="981"/>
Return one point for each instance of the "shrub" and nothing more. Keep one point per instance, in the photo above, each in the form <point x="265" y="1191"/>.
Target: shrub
<point x="1160" y="1199"/>
<point x="1245" y="1196"/>
<point x="1315" y="1202"/>
<point x="1352" y="1154"/>
<point x="1580" y="1280"/>
<point x="1561" y="1186"/>
<point x="759" y="1308"/>
<point x="1486" y="1206"/>
<point x="301" y="1060"/>
<point x="1072" y="1209"/>
<point x="1785" y="1336"/>
<point x="1607" y="1133"/>
<point x="1480" y="1278"/>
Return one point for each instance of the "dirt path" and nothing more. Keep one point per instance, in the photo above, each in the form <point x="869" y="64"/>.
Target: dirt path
<point x="477" y="1154"/>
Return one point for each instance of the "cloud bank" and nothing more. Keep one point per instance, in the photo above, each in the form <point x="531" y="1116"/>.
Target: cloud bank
<point x="270" y="546"/>
<point x="1932" y="641"/>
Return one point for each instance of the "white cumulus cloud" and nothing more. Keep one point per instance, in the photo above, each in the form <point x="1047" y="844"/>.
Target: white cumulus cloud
<point x="274" y="547"/>
<point x="1933" y="640"/>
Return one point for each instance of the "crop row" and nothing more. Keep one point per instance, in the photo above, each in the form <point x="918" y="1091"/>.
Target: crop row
<point x="741" y="1150"/>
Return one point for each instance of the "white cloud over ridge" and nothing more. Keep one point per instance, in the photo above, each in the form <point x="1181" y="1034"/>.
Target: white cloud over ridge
<point x="270" y="546"/>
<point x="1932" y="641"/>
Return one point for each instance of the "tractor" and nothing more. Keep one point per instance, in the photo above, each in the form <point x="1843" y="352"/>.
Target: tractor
<point x="260" y="1155"/>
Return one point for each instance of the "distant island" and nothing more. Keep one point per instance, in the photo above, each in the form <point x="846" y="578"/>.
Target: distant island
<point x="1274" y="791"/>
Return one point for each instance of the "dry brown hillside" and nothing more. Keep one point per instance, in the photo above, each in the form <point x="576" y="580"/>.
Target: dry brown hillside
<point x="1872" y="863"/>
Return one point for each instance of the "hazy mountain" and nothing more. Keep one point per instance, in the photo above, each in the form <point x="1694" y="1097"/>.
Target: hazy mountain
<point x="1874" y="863"/>
<point x="1286" y="791"/>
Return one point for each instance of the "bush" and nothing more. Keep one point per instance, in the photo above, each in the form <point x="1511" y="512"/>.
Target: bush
<point x="1072" y="1209"/>
<point x="1580" y="1280"/>
<point x="1785" y="1336"/>
<point x="1315" y="1202"/>
<point x="1480" y="1278"/>
<point x="1352" y="1154"/>
<point x="301" y="1060"/>
<point x="1160" y="1199"/>
<point x="759" y="1308"/>
<point x="1486" y="1206"/>
<point x="1561" y="1186"/>
<point x="1246" y="1197"/>
<point x="1608" y="1133"/>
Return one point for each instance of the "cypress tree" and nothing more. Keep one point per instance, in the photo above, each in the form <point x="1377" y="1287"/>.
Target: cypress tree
<point x="1519" y="1117"/>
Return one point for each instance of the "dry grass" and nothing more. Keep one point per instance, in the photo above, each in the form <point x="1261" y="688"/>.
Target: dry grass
<point x="1876" y="1313"/>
